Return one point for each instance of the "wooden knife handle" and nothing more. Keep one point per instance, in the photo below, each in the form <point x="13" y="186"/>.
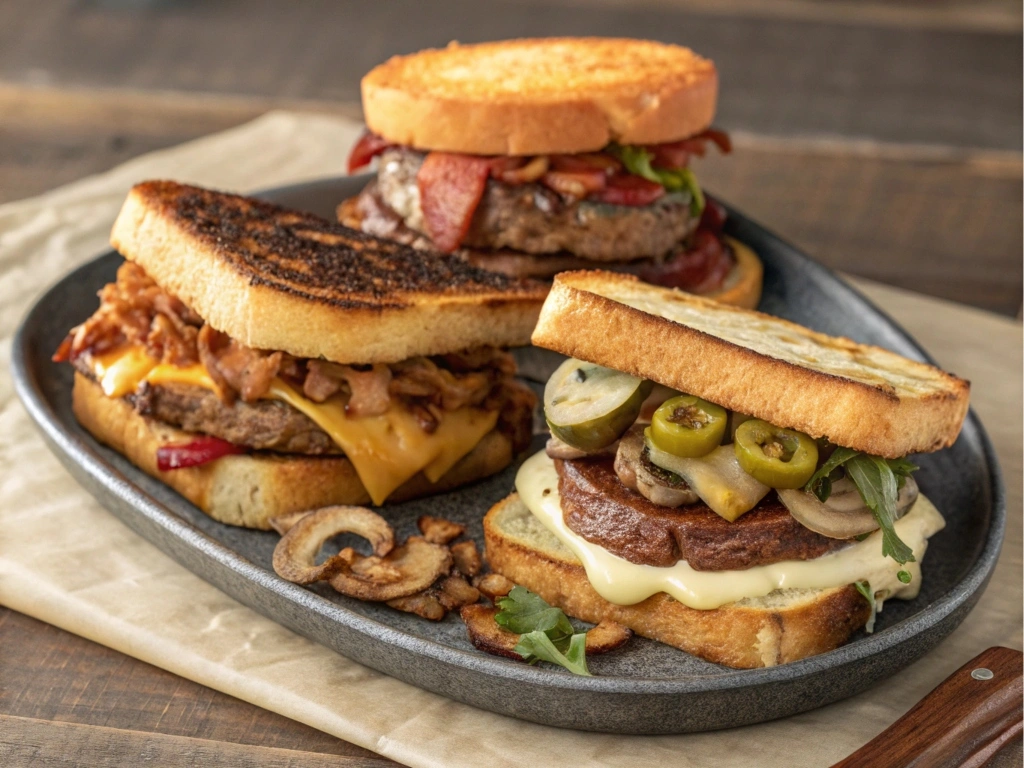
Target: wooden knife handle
<point x="967" y="719"/>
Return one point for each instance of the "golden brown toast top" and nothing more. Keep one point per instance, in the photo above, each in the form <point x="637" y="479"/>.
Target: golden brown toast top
<point x="275" y="278"/>
<point x="543" y="95"/>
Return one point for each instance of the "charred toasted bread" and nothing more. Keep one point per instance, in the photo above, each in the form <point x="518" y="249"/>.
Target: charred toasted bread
<point x="283" y="280"/>
<point x="540" y="96"/>
<point x="859" y="396"/>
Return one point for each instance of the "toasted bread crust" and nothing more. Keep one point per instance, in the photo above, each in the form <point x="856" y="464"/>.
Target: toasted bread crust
<point x="856" y="395"/>
<point x="282" y="280"/>
<point x="540" y="96"/>
<point x="248" y="490"/>
<point x="755" y="633"/>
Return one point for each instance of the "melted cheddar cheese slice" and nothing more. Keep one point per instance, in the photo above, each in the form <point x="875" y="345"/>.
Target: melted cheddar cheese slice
<point x="385" y="450"/>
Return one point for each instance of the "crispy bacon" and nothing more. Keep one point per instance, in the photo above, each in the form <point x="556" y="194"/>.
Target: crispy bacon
<point x="450" y="188"/>
<point x="702" y="268"/>
<point x="369" y="390"/>
<point x="236" y="367"/>
<point x="368" y="147"/>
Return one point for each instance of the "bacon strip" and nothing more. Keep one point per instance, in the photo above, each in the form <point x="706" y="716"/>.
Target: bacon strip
<point x="450" y="188"/>
<point x="368" y="147"/>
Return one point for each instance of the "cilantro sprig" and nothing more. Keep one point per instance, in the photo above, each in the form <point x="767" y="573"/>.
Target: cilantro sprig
<point x="878" y="481"/>
<point x="638" y="162"/>
<point x="545" y="633"/>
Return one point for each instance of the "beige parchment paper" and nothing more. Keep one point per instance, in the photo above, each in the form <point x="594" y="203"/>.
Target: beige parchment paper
<point x="66" y="561"/>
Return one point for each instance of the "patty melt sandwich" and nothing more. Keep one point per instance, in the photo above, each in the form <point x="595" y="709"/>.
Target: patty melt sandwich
<point x="720" y="480"/>
<point x="532" y="157"/>
<point x="262" y="361"/>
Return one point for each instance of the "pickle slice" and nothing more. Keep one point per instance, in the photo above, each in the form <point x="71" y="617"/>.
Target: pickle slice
<point x="589" y="406"/>
<point x="689" y="427"/>
<point x="777" y="457"/>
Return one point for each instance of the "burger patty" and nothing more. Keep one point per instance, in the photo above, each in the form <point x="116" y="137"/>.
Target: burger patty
<point x="534" y="219"/>
<point x="265" y="425"/>
<point x="598" y="507"/>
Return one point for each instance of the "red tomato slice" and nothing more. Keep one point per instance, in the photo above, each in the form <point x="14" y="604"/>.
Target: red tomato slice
<point x="368" y="147"/>
<point x="627" y="189"/>
<point x="450" y="189"/>
<point x="714" y="216"/>
<point x="199" y="451"/>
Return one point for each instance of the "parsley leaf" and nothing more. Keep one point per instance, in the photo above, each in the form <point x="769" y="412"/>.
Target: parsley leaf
<point x="537" y="646"/>
<point x="545" y="632"/>
<point x="878" y="486"/>
<point x="878" y="481"/>
<point x="638" y="162"/>
<point x="868" y="594"/>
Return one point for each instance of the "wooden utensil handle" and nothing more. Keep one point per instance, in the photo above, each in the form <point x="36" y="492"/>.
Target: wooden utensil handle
<point x="963" y="722"/>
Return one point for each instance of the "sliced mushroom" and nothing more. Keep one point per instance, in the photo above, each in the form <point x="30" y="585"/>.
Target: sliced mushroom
<point x="486" y="634"/>
<point x="295" y="554"/>
<point x="455" y="592"/>
<point x="282" y="523"/>
<point x="422" y="604"/>
<point x="467" y="558"/>
<point x="437" y="530"/>
<point x="636" y="471"/>
<point x="406" y="570"/>
<point x="558" y="449"/>
<point x="845" y="514"/>
<point x="494" y="585"/>
<point x="607" y="636"/>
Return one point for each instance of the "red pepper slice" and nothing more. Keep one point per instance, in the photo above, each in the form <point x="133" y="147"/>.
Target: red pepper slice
<point x="199" y="451"/>
<point x="714" y="216"/>
<point x="627" y="189"/>
<point x="368" y="147"/>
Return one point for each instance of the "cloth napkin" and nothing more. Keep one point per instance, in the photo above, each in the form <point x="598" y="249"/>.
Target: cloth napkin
<point x="66" y="561"/>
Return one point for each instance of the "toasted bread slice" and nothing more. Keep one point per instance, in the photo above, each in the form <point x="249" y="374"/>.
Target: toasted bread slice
<point x="858" y="396"/>
<point x="540" y="96"/>
<point x="784" y="626"/>
<point x="249" y="490"/>
<point x="276" y="279"/>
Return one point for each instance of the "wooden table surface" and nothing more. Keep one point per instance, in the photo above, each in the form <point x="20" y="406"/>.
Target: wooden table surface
<point x="883" y="138"/>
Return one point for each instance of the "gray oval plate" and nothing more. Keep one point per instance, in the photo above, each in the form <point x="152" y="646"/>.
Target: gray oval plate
<point x="645" y="687"/>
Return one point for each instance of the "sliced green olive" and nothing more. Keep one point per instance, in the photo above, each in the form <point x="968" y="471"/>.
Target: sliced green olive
<point x="777" y="457"/>
<point x="589" y="406"/>
<point x="688" y="426"/>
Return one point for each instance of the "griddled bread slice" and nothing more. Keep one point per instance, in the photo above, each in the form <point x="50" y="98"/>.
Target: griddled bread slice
<point x="783" y="626"/>
<point x="540" y="96"/>
<point x="858" y="396"/>
<point x="250" y="489"/>
<point x="277" y="279"/>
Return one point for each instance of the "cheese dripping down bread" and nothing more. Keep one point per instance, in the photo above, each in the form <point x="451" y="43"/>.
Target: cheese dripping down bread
<point x="261" y="360"/>
<point x="718" y="479"/>
<point x="535" y="156"/>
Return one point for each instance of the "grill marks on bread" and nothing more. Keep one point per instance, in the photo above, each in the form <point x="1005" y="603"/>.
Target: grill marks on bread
<point x="313" y="258"/>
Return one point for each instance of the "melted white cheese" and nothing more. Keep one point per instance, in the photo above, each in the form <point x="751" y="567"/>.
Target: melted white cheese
<point x="624" y="583"/>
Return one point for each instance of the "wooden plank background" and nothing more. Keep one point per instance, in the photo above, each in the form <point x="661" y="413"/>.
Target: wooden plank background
<point x="884" y="138"/>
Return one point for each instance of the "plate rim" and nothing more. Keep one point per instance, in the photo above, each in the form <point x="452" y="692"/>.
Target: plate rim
<point x="84" y="453"/>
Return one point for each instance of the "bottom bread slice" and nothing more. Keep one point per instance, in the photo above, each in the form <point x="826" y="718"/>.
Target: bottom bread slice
<point x="784" y="626"/>
<point x="248" y="490"/>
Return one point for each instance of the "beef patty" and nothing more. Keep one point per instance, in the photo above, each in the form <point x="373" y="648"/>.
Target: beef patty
<point x="598" y="507"/>
<point x="265" y="425"/>
<point x="534" y="219"/>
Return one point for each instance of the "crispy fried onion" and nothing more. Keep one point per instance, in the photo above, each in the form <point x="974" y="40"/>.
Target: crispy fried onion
<point x="493" y="586"/>
<point x="282" y="523"/>
<point x="487" y="635"/>
<point x="404" y="571"/>
<point x="467" y="558"/>
<point x="295" y="554"/>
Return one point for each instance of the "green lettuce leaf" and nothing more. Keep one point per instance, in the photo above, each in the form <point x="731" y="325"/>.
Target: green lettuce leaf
<point x="638" y="162"/>
<point x="537" y="646"/>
